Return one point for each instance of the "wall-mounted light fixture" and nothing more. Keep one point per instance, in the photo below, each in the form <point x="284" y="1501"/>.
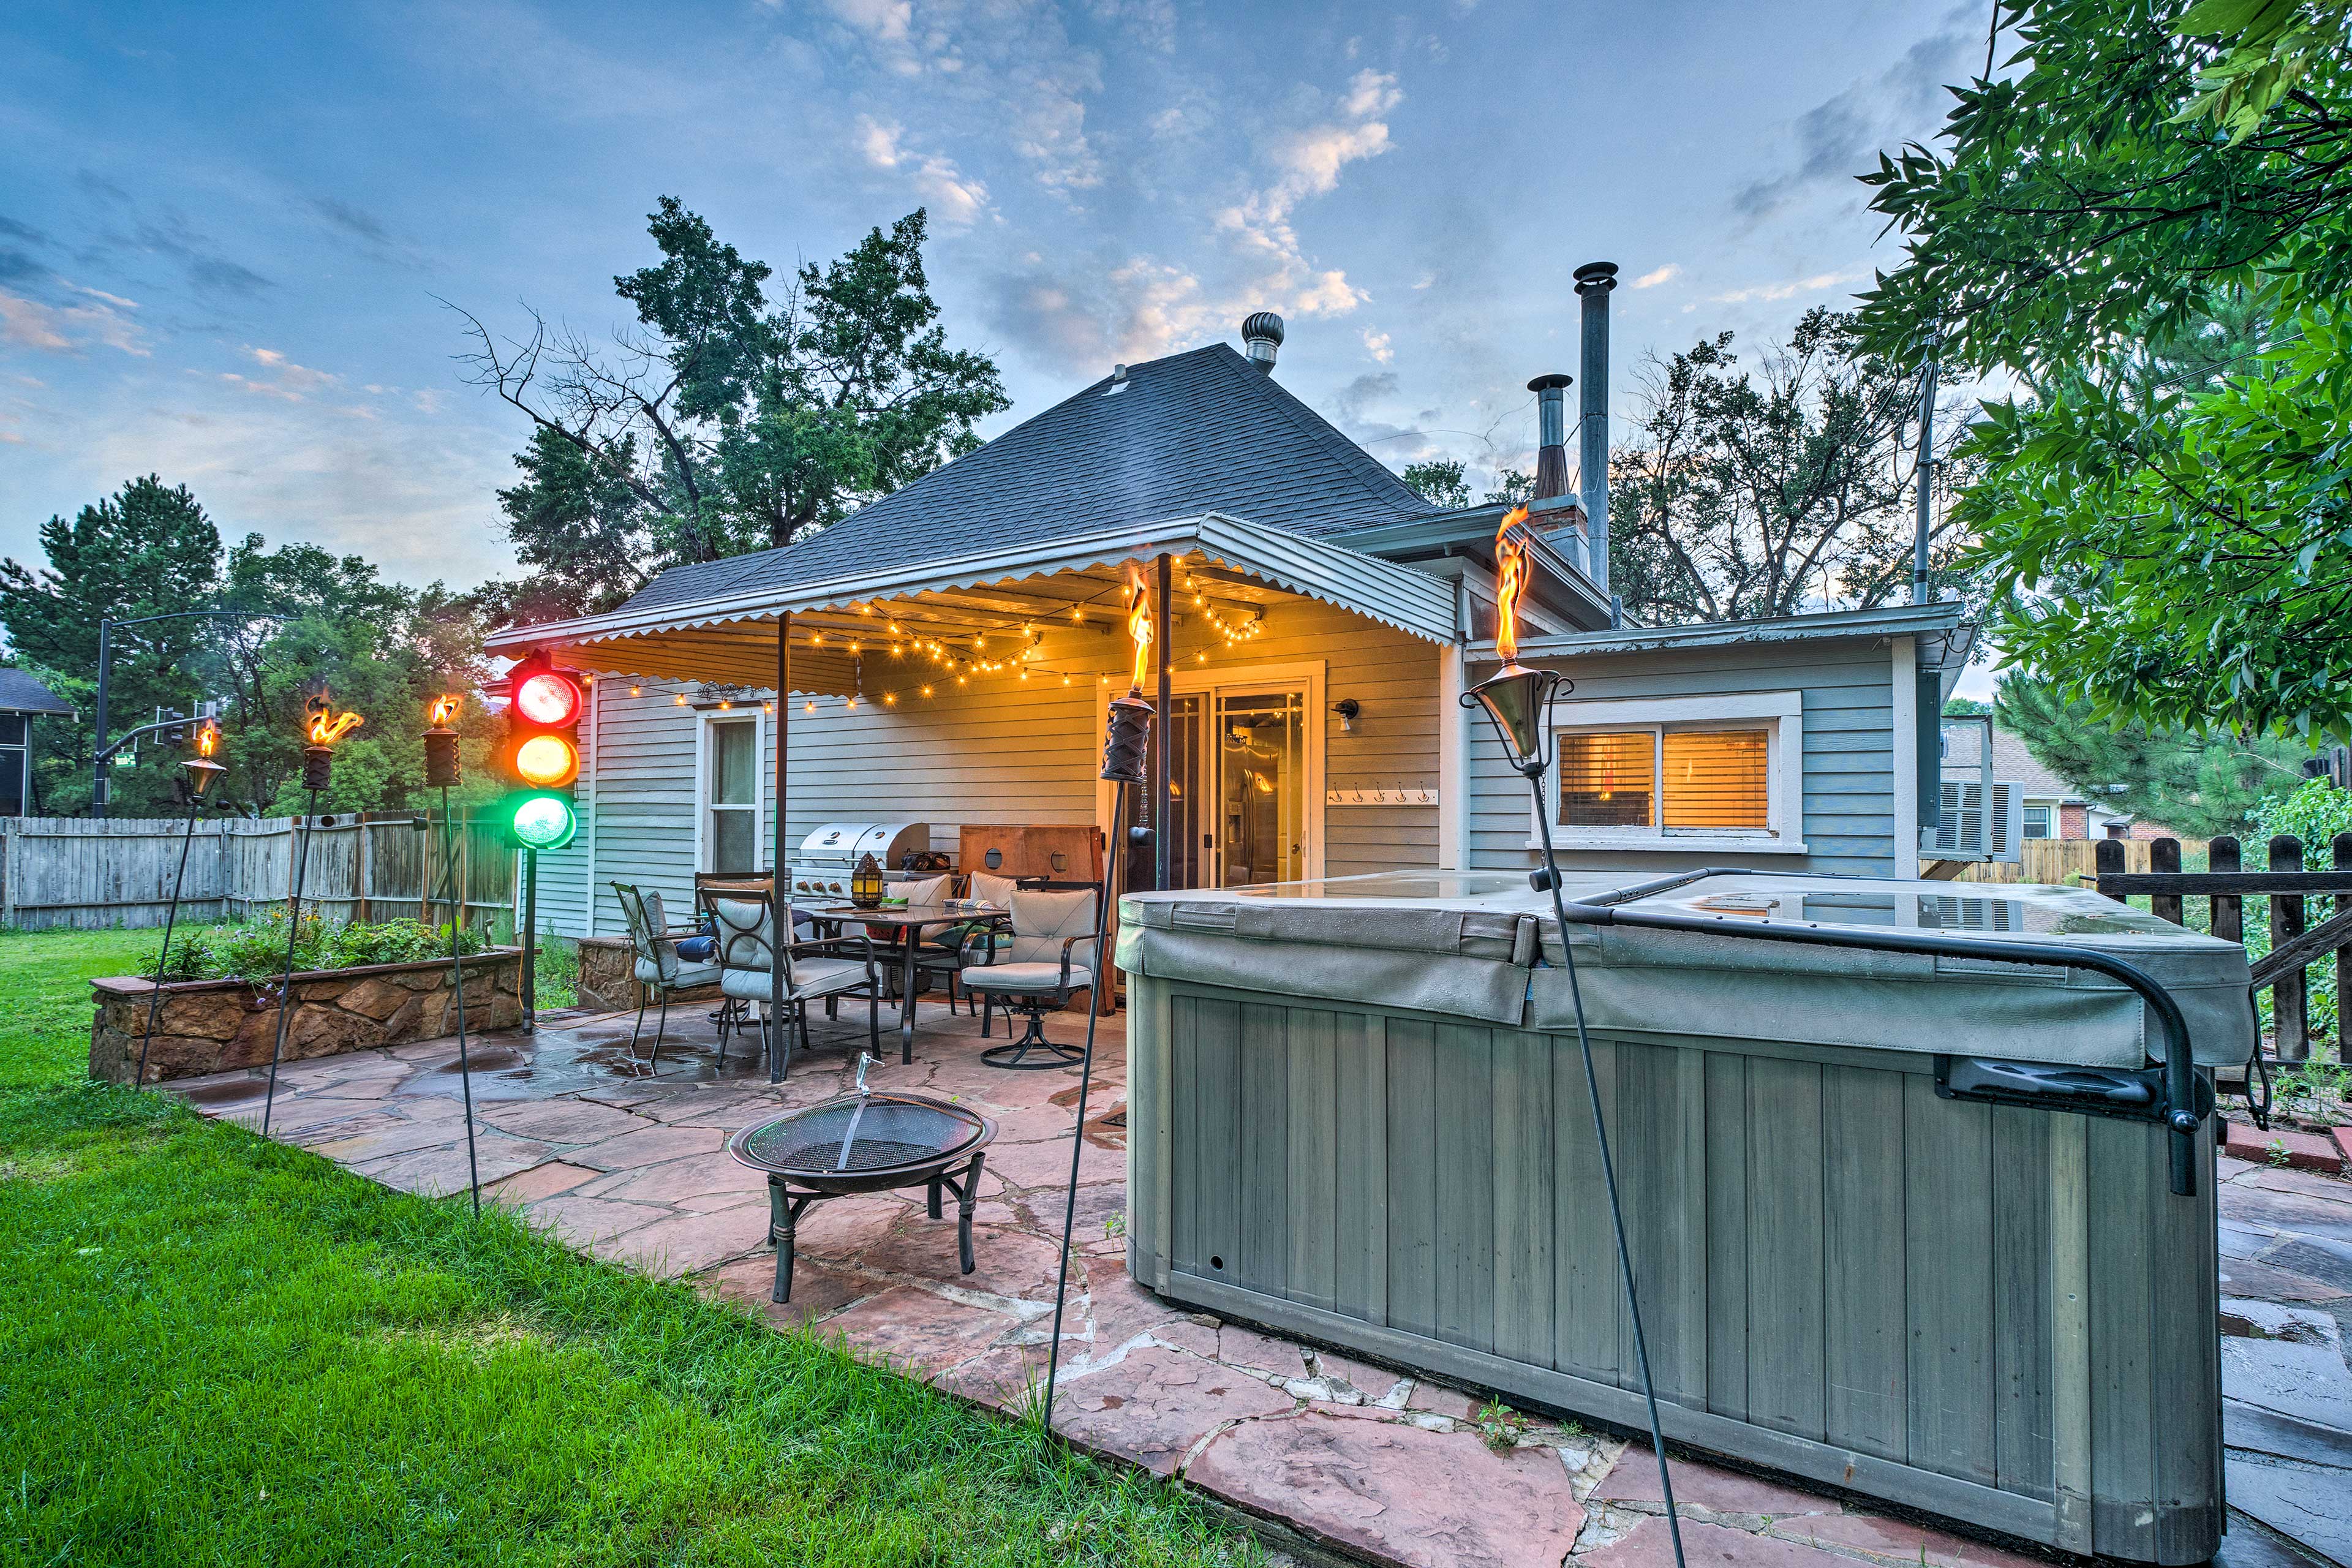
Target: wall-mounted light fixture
<point x="1347" y="708"/>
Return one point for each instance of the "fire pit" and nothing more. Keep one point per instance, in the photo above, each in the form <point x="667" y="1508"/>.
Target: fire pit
<point x="865" y="1142"/>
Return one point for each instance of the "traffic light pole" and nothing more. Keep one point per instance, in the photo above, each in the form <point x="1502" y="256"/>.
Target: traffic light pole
<point x="531" y="941"/>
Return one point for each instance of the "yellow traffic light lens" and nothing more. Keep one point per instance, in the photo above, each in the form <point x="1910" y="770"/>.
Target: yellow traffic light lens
<point x="543" y="822"/>
<point x="547" y="762"/>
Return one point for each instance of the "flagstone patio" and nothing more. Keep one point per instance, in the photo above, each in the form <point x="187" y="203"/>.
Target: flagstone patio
<point x="1331" y="1456"/>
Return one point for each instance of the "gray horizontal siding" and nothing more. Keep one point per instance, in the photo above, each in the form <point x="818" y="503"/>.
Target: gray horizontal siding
<point x="1848" y="815"/>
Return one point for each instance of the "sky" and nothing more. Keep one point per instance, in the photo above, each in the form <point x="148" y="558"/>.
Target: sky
<point x="232" y="236"/>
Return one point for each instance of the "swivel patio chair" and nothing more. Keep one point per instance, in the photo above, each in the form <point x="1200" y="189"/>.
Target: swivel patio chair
<point x="823" y="970"/>
<point x="1039" y="968"/>
<point x="660" y="972"/>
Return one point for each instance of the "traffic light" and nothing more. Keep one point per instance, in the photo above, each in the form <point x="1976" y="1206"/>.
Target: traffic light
<point x="542" y="753"/>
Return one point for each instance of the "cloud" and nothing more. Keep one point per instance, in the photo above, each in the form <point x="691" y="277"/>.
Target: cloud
<point x="67" y="329"/>
<point x="212" y="272"/>
<point x="1377" y="345"/>
<point x="1153" y="23"/>
<point x="1308" y="162"/>
<point x="1841" y="136"/>
<point x="362" y="230"/>
<point x="283" y="379"/>
<point x="1666" y="274"/>
<point x="954" y="198"/>
<point x="1789" y="290"/>
<point x="885" y="21"/>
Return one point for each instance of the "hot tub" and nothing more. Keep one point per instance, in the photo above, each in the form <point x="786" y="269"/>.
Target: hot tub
<point x="1903" y="1223"/>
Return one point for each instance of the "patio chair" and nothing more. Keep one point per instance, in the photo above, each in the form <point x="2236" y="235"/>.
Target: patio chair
<point x="822" y="970"/>
<point x="660" y="972"/>
<point x="1039" y="968"/>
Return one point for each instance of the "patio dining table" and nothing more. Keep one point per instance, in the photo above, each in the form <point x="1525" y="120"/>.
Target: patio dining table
<point x="908" y="922"/>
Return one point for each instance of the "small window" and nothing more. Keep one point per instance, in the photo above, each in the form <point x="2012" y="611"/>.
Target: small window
<point x="13" y="790"/>
<point x="1669" y="780"/>
<point x="12" y="729"/>
<point x="1717" y="771"/>
<point x="1604" y="779"/>
<point x="1717" y="779"/>
<point x="2037" y="822"/>
<point x="733" y="843"/>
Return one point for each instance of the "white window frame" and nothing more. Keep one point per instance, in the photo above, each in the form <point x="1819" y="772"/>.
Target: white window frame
<point x="1780" y="714"/>
<point x="754" y="714"/>
<point x="2050" y="819"/>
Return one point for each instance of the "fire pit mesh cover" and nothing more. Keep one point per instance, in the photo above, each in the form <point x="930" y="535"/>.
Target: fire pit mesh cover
<point x="892" y="1133"/>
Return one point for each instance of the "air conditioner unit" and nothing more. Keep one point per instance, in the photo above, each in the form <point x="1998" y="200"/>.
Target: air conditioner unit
<point x="1972" y="832"/>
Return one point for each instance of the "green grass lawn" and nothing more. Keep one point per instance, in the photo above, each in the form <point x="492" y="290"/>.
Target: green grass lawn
<point x="213" y="1350"/>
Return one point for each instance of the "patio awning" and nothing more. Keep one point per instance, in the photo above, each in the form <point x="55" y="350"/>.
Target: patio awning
<point x="1069" y="583"/>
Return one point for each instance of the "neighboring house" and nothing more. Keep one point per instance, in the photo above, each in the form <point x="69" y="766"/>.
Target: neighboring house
<point x="1324" y="623"/>
<point x="22" y="700"/>
<point x="2052" y="807"/>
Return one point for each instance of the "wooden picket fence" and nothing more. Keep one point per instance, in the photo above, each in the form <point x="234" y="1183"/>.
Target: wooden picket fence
<point x="83" y="875"/>
<point x="2069" y="862"/>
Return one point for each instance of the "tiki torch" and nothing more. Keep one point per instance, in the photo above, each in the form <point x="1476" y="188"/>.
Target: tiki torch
<point x="322" y="727"/>
<point x="201" y="771"/>
<point x="444" y="771"/>
<point x="1518" y="701"/>
<point x="1127" y="741"/>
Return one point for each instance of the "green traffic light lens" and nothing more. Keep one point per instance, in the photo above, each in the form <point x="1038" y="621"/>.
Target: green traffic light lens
<point x="543" y="822"/>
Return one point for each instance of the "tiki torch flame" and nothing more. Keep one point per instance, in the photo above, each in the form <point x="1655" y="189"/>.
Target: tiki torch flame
<point x="445" y="711"/>
<point x="207" y="740"/>
<point x="1510" y="581"/>
<point x="327" y="726"/>
<point x="1139" y="627"/>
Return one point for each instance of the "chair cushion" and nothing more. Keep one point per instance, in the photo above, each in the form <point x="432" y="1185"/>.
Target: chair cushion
<point x="997" y="891"/>
<point x="684" y="975"/>
<point x="1042" y="922"/>
<point x="929" y="890"/>
<point x="811" y="977"/>
<point x="654" y="916"/>
<point x="1026" y="979"/>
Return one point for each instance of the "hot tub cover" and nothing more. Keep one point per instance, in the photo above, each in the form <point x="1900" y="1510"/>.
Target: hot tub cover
<point x="1466" y="945"/>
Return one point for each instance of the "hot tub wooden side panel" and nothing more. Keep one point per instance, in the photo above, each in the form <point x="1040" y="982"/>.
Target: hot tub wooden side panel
<point x="1972" y="1309"/>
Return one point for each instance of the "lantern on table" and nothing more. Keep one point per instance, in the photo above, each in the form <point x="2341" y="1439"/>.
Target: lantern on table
<point x="866" y="884"/>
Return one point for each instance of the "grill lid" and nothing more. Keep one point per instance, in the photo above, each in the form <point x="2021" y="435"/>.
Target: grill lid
<point x="843" y="842"/>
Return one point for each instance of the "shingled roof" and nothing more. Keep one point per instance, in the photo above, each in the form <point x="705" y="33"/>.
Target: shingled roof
<point x="1193" y="433"/>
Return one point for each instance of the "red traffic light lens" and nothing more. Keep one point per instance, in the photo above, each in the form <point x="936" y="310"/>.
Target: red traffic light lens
<point x="548" y="698"/>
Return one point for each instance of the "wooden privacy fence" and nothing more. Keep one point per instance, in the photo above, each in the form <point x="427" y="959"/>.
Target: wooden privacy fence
<point x="2068" y="862"/>
<point x="2295" y="945"/>
<point x="68" y="872"/>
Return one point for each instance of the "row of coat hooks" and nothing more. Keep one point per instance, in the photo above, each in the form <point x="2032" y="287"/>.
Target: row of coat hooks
<point x="1418" y="794"/>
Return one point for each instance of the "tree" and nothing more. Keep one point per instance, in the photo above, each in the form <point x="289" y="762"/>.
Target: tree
<point x="2193" y="783"/>
<point x="1439" y="482"/>
<point x="725" y="421"/>
<point x="1747" y="494"/>
<point x="147" y="550"/>
<point x="2174" y="549"/>
<point x="1513" y="487"/>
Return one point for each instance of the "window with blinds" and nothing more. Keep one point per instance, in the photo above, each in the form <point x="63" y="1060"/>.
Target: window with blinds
<point x="1668" y="781"/>
<point x="1715" y="779"/>
<point x="1605" y="778"/>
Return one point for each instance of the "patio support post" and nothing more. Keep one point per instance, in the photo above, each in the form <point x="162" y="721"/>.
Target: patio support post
<point x="1161" y="840"/>
<point x="779" y="934"/>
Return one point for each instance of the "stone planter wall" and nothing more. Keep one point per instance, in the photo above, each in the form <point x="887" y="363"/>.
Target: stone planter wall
<point x="608" y="977"/>
<point x="213" y="1026"/>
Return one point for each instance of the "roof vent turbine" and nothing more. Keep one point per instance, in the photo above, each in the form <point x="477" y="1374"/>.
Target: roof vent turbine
<point x="1262" y="339"/>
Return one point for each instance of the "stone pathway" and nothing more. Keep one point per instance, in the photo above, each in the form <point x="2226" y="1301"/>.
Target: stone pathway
<point x="2286" y="1303"/>
<point x="1336" y="1460"/>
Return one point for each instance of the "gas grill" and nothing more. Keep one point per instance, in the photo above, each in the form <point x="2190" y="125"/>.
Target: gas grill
<point x="829" y="854"/>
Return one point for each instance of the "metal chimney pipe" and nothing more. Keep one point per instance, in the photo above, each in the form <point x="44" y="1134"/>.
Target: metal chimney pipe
<point x="1551" y="434"/>
<point x="1594" y="280"/>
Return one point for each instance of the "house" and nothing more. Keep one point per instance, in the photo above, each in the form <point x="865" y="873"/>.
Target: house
<point x="22" y="700"/>
<point x="2051" y="807"/>
<point x="951" y="649"/>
